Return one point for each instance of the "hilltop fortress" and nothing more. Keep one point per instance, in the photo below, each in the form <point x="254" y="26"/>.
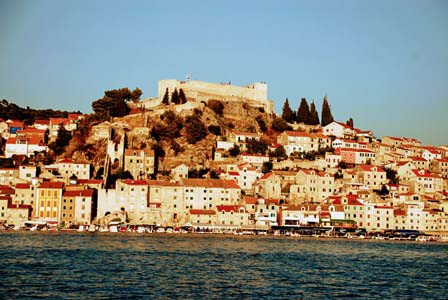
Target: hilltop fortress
<point x="255" y="94"/>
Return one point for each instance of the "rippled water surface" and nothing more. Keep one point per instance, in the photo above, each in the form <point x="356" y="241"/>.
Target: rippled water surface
<point x="121" y="266"/>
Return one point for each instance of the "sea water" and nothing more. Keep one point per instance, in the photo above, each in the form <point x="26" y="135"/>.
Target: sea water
<point x="194" y="266"/>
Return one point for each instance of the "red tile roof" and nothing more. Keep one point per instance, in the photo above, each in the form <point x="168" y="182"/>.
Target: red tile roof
<point x="58" y="121"/>
<point x="51" y="185"/>
<point x="417" y="158"/>
<point x="202" y="212"/>
<point x="267" y="175"/>
<point x="211" y="183"/>
<point x="24" y="186"/>
<point x="352" y="150"/>
<point x="130" y="152"/>
<point x="297" y="133"/>
<point x="399" y="212"/>
<point x="369" y="168"/>
<point x="42" y="122"/>
<point x="5" y="188"/>
<point x="255" y="155"/>
<point x="15" y="124"/>
<point x="78" y="193"/>
<point x="90" y="181"/>
<point x="19" y="206"/>
<point x="250" y="200"/>
<point x="32" y="140"/>
<point x="229" y="208"/>
<point x="162" y="183"/>
<point x="342" y="124"/>
<point x="66" y="160"/>
<point x="74" y="117"/>
<point x="441" y="159"/>
<point x="424" y="174"/>
<point x="31" y="130"/>
<point x="134" y="182"/>
<point x="383" y="207"/>
<point x="353" y="200"/>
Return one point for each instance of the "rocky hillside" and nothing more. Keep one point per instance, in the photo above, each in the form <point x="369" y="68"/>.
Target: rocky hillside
<point x="178" y="135"/>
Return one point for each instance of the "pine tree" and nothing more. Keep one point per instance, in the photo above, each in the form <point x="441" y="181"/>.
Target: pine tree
<point x="287" y="114"/>
<point x="183" y="98"/>
<point x="314" y="116"/>
<point x="303" y="114"/>
<point x="327" y="117"/>
<point x="166" y="97"/>
<point x="175" y="97"/>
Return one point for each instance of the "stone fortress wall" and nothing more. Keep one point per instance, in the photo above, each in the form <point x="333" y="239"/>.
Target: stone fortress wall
<point x="255" y="94"/>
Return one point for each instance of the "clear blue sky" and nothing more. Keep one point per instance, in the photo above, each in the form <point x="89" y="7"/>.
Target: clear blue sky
<point x="384" y="63"/>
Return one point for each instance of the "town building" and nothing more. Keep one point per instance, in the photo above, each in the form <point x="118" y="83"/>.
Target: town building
<point x="140" y="163"/>
<point x="48" y="201"/>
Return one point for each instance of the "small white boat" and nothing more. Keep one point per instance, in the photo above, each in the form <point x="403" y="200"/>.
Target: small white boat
<point x="103" y="229"/>
<point x="81" y="228"/>
<point x="113" y="226"/>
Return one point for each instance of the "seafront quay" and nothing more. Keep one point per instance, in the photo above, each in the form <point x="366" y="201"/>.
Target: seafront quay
<point x="277" y="231"/>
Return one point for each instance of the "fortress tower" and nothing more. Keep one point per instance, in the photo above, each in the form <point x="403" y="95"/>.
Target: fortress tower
<point x="255" y="94"/>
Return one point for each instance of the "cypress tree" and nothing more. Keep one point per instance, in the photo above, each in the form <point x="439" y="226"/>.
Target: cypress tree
<point x="287" y="114"/>
<point x="327" y="117"/>
<point x="183" y="98"/>
<point x="166" y="97"/>
<point x="314" y="120"/>
<point x="175" y="97"/>
<point x="303" y="114"/>
<point x="350" y="122"/>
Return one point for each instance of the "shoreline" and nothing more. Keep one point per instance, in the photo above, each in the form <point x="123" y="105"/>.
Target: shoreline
<point x="226" y="235"/>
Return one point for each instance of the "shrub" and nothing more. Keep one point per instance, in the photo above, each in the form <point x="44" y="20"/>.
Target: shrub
<point x="216" y="106"/>
<point x="214" y="129"/>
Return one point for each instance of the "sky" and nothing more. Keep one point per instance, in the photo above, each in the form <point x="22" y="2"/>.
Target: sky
<point x="382" y="63"/>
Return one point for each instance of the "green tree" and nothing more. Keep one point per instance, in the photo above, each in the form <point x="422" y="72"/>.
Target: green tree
<point x="169" y="128"/>
<point x="175" y="97"/>
<point x="214" y="129"/>
<point x="136" y="94"/>
<point x="166" y="97"/>
<point x="279" y="153"/>
<point x="254" y="146"/>
<point x="158" y="150"/>
<point x="267" y="167"/>
<point x="314" y="116"/>
<point x="384" y="191"/>
<point x="342" y="165"/>
<point x="183" y="98"/>
<point x="216" y="106"/>
<point x="327" y="117"/>
<point x="234" y="151"/>
<point x="280" y="125"/>
<point x="261" y="123"/>
<point x="194" y="129"/>
<point x="62" y="140"/>
<point x="303" y="113"/>
<point x="214" y="175"/>
<point x="350" y="122"/>
<point x="287" y="113"/>
<point x="391" y="174"/>
<point x="113" y="103"/>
